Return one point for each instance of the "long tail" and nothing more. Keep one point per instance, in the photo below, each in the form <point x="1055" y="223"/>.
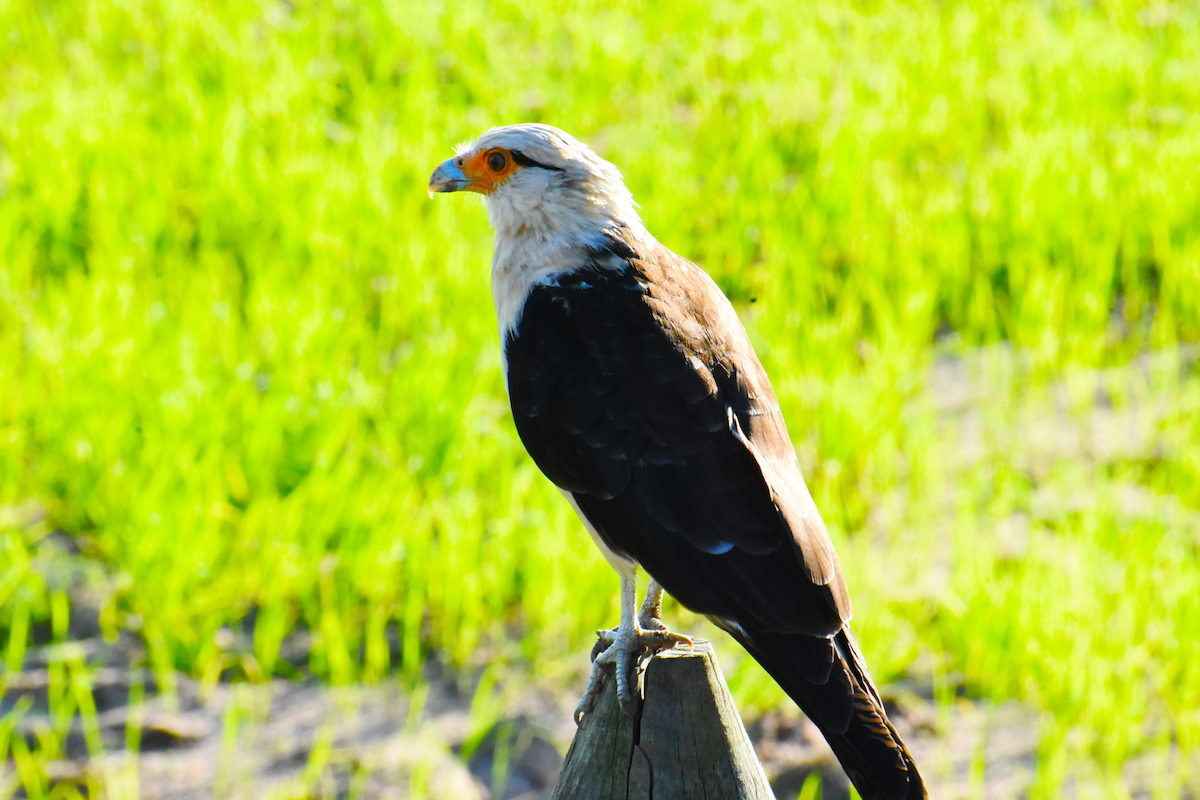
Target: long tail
<point x="828" y="679"/>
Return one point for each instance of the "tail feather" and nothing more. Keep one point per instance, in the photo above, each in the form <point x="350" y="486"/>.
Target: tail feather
<point x="828" y="679"/>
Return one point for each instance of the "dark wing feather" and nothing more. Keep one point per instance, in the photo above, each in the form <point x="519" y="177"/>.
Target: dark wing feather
<point x="828" y="679"/>
<point x="635" y="388"/>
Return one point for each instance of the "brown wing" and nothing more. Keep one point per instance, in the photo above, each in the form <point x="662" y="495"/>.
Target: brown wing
<point x="635" y="387"/>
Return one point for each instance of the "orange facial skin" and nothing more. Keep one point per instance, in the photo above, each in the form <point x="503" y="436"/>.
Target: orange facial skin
<point x="481" y="169"/>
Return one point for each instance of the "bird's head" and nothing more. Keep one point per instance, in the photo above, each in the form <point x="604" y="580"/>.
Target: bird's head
<point x="540" y="182"/>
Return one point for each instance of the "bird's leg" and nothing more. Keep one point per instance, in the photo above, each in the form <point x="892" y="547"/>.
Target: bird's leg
<point x="650" y="615"/>
<point x="608" y="649"/>
<point x="650" y="621"/>
<point x="635" y="640"/>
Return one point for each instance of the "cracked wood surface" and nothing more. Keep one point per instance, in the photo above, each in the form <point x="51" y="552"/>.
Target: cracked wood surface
<point x="688" y="740"/>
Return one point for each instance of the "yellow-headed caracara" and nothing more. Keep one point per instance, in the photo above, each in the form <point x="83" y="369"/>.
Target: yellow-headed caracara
<point x="637" y="392"/>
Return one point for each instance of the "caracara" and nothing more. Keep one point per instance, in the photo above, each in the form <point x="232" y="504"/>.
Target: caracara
<point x="637" y="392"/>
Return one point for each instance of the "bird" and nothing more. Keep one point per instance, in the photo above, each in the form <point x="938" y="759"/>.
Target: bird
<point x="636" y="390"/>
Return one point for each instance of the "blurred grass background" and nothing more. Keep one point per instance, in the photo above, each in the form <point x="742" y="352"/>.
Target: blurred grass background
<point x="252" y="370"/>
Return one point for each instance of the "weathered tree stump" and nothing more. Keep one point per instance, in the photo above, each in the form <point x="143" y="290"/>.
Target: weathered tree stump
<point x="686" y="742"/>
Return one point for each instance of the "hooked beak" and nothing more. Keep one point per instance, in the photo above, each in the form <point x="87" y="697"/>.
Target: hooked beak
<point x="447" y="178"/>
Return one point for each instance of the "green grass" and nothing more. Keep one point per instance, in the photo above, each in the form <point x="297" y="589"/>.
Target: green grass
<point x="250" y="366"/>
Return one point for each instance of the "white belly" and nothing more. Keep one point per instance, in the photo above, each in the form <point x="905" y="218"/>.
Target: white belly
<point x="625" y="567"/>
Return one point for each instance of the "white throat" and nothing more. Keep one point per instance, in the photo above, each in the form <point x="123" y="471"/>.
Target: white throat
<point x="543" y="231"/>
<point x="523" y="261"/>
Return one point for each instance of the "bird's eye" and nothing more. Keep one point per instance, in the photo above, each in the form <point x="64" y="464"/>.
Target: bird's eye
<point x="497" y="161"/>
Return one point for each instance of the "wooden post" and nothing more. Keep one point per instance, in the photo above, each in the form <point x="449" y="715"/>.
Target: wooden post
<point x="687" y="741"/>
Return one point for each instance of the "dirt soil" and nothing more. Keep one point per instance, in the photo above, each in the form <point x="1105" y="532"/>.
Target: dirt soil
<point x="302" y="739"/>
<point x="306" y="739"/>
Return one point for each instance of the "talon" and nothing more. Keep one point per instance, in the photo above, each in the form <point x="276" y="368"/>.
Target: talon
<point x="629" y="690"/>
<point x="584" y="708"/>
<point x="598" y="648"/>
<point x="629" y="652"/>
<point x="629" y="648"/>
<point x="659" y="640"/>
<point x="595" y="685"/>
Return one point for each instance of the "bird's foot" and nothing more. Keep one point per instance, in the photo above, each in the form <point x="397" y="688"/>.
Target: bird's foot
<point x="628" y="650"/>
<point x="651" y="624"/>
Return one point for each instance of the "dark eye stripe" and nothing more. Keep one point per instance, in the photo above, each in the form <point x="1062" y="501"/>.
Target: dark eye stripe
<point x="522" y="160"/>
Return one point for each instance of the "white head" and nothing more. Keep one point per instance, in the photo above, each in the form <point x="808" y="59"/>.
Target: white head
<point x="540" y="183"/>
